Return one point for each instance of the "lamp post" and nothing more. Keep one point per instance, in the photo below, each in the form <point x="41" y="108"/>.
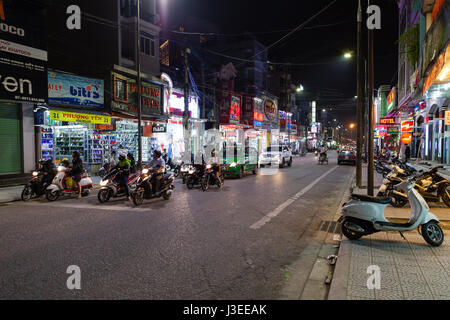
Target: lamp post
<point x="138" y="70"/>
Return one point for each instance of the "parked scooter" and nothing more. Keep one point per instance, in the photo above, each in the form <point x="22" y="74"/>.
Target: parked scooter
<point x="59" y="187"/>
<point x="432" y="187"/>
<point x="364" y="215"/>
<point x="109" y="188"/>
<point x="144" y="188"/>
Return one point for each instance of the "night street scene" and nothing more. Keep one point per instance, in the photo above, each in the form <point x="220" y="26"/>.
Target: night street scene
<point x="225" y="155"/>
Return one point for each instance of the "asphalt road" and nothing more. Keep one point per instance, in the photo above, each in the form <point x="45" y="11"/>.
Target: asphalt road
<point x="230" y="244"/>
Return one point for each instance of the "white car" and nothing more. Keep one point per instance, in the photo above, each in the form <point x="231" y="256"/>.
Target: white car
<point x="276" y="155"/>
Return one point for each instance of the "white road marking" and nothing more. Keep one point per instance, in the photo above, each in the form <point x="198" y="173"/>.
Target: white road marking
<point x="288" y="202"/>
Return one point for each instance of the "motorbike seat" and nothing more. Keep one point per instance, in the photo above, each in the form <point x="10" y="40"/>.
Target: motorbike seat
<point x="381" y="200"/>
<point x="167" y="176"/>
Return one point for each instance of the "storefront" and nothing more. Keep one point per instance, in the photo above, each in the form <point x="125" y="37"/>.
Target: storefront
<point x="124" y="111"/>
<point x="23" y="73"/>
<point x="175" y="135"/>
<point x="74" y="120"/>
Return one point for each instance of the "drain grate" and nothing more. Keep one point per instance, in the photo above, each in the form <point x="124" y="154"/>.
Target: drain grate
<point x="330" y="227"/>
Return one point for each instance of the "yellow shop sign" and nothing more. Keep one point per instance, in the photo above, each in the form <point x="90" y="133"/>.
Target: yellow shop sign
<point x="79" y="117"/>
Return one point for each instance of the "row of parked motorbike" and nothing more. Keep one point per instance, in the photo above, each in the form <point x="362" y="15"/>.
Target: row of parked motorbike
<point x="364" y="215"/>
<point x="431" y="185"/>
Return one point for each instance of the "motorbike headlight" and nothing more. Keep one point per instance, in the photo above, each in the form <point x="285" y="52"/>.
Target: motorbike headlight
<point x="103" y="183"/>
<point x="60" y="168"/>
<point x="234" y="164"/>
<point x="208" y="166"/>
<point x="145" y="171"/>
<point x="35" y="173"/>
<point x="191" y="171"/>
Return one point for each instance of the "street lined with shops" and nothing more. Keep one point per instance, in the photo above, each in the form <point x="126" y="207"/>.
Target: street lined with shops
<point x="196" y="245"/>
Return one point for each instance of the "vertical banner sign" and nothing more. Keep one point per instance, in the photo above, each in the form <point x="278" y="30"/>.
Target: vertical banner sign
<point x="447" y="118"/>
<point x="23" y="51"/>
<point x="391" y="100"/>
<point x="235" y="110"/>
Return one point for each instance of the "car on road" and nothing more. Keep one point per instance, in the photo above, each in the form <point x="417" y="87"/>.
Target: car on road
<point x="276" y="155"/>
<point x="240" y="161"/>
<point x="347" y="156"/>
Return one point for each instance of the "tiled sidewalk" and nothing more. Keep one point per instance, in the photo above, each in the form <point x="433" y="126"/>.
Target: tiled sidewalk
<point x="410" y="270"/>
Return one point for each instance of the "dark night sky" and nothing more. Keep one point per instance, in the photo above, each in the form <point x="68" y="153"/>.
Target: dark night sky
<point x="321" y="44"/>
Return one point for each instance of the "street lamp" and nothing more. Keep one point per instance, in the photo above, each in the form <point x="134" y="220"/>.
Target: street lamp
<point x="300" y="88"/>
<point x="347" y="55"/>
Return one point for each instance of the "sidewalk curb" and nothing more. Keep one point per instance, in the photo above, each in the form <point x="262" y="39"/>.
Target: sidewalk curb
<point x="339" y="281"/>
<point x="339" y="284"/>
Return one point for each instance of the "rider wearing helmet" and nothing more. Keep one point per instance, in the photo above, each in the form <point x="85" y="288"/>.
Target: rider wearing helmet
<point x="132" y="163"/>
<point x="158" y="165"/>
<point x="214" y="161"/>
<point x="48" y="171"/>
<point x="123" y="166"/>
<point x="77" y="170"/>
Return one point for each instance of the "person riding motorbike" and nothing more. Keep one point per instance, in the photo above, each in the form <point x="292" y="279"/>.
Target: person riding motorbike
<point x="123" y="166"/>
<point x="76" y="170"/>
<point x="214" y="161"/>
<point x="323" y="152"/>
<point x="158" y="166"/>
<point x="48" y="171"/>
<point x="132" y="163"/>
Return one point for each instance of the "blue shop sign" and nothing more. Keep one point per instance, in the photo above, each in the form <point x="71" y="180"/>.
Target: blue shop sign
<point x="72" y="90"/>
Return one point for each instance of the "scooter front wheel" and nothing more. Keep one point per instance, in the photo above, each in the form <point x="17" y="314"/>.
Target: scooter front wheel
<point x="138" y="197"/>
<point x="103" y="195"/>
<point x="205" y="183"/>
<point x="27" y="193"/>
<point x="52" y="195"/>
<point x="432" y="233"/>
<point x="350" y="234"/>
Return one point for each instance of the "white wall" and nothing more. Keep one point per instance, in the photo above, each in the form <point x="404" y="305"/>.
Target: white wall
<point x="28" y="137"/>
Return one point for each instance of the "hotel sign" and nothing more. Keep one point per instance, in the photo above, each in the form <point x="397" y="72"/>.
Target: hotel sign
<point x="387" y="121"/>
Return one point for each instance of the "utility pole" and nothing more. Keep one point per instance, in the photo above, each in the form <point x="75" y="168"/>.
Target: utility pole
<point x="370" y="165"/>
<point x="186" y="88"/>
<point x="359" y="122"/>
<point x="138" y="69"/>
<point x="204" y="96"/>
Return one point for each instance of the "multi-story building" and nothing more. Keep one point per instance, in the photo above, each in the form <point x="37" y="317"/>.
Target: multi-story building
<point x="424" y="76"/>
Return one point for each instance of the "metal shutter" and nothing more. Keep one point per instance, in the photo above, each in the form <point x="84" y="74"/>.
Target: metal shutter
<point x="10" y="139"/>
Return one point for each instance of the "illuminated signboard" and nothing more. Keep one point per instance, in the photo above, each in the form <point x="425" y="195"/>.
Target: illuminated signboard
<point x="408" y="126"/>
<point x="270" y="110"/>
<point x="447" y="118"/>
<point x="235" y="109"/>
<point x="387" y="121"/>
<point x="391" y="99"/>
<point x="406" y="138"/>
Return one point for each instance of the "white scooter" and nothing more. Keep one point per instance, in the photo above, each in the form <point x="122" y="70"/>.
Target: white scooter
<point x="364" y="215"/>
<point x="58" y="186"/>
